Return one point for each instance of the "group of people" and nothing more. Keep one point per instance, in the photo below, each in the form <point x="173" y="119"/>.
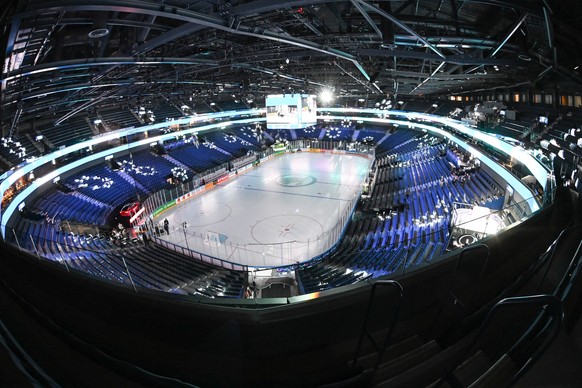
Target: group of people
<point x="161" y="228"/>
<point x="119" y="232"/>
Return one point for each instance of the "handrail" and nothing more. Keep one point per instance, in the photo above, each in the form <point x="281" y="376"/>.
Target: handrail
<point x="570" y="275"/>
<point x="470" y="248"/>
<point x="530" y="271"/>
<point x="556" y="311"/>
<point x="456" y="301"/>
<point x="367" y="333"/>
<point x="550" y="308"/>
<point x="549" y="304"/>
<point x="552" y="250"/>
<point x="25" y="364"/>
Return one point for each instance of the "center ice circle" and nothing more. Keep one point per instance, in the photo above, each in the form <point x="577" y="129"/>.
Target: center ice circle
<point x="296" y="180"/>
<point x="286" y="228"/>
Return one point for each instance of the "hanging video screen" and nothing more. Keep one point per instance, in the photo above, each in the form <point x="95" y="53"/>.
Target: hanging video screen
<point x="290" y="111"/>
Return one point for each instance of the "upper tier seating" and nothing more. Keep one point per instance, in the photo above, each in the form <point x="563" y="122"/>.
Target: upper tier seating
<point x="68" y="132"/>
<point x="15" y="150"/>
<point x="202" y="107"/>
<point x="231" y="105"/>
<point x="446" y="107"/>
<point x="119" y="118"/>
<point x="165" y="110"/>
<point x="417" y="105"/>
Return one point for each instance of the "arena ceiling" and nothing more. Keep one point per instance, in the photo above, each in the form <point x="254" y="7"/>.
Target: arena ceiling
<point x="63" y="57"/>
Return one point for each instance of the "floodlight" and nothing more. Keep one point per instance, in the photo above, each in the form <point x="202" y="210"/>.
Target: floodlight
<point x="326" y="96"/>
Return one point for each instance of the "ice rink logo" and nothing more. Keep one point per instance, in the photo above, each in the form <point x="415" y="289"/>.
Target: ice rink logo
<point x="296" y="180"/>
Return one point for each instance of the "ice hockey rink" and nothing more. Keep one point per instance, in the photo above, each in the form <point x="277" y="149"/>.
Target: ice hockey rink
<point x="285" y="210"/>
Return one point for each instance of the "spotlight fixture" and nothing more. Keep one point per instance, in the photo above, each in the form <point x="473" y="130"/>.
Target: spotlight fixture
<point x="326" y="96"/>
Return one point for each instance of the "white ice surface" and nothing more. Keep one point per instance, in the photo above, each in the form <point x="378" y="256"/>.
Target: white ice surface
<point x="285" y="210"/>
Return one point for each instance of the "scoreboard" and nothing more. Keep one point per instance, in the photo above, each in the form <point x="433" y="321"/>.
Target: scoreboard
<point x="291" y="111"/>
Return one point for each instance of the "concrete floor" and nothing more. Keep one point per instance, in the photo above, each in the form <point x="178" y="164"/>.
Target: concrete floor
<point x="286" y="210"/>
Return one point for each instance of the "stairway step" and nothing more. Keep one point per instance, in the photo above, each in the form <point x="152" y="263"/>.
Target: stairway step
<point x="499" y="375"/>
<point x="407" y="361"/>
<point x="473" y="367"/>
<point x="391" y="352"/>
<point x="439" y="384"/>
<point x="431" y="370"/>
